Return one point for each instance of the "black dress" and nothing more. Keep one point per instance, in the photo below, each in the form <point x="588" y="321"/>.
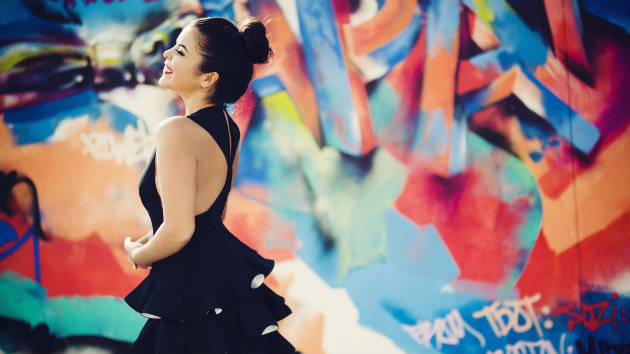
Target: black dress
<point x="209" y="297"/>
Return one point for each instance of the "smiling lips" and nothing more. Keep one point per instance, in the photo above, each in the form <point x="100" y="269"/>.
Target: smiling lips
<point x="167" y="70"/>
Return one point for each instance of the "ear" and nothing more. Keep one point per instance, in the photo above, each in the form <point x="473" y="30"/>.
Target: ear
<point x="209" y="79"/>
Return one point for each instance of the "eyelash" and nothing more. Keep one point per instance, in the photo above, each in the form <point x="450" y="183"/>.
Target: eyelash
<point x="180" y="52"/>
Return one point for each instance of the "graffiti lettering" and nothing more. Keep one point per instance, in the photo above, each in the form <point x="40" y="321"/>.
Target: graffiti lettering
<point x="523" y="347"/>
<point x="507" y="316"/>
<point x="592" y="316"/>
<point x="601" y="347"/>
<point x="448" y="330"/>
<point x="134" y="148"/>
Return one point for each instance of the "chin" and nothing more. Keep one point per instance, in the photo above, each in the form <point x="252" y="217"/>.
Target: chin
<point x="162" y="82"/>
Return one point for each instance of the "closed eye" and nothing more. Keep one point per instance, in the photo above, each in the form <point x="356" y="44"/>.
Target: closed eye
<point x="180" y="52"/>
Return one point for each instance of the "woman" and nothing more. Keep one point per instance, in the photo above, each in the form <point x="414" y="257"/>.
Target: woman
<point x="205" y="291"/>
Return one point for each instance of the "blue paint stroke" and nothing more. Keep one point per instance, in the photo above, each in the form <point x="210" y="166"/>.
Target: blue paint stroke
<point x="36" y="29"/>
<point x="18" y="243"/>
<point x="398" y="48"/>
<point x="498" y="60"/>
<point x="432" y="135"/>
<point x="254" y="157"/>
<point x="567" y="123"/>
<point x="38" y="278"/>
<point x="120" y="118"/>
<point x="408" y="285"/>
<point x="442" y="25"/>
<point x="327" y="70"/>
<point x="7" y="233"/>
<point x="614" y="11"/>
<point x="267" y="85"/>
<point x="216" y="5"/>
<point x="582" y="134"/>
<point x="35" y="124"/>
<point x="515" y="36"/>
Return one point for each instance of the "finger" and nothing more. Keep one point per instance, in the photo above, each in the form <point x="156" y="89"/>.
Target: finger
<point x="131" y="261"/>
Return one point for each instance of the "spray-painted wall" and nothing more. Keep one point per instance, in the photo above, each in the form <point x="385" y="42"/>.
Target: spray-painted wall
<point x="439" y="176"/>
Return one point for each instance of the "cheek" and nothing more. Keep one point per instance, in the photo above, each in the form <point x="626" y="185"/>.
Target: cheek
<point x="181" y="68"/>
<point x="186" y="74"/>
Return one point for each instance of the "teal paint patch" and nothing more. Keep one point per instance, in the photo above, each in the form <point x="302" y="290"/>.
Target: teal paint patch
<point x="22" y="298"/>
<point x="363" y="188"/>
<point x="510" y="180"/>
<point x="103" y="316"/>
<point x="383" y="103"/>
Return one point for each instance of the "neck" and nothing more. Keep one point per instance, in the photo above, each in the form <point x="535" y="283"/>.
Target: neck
<point x="195" y="103"/>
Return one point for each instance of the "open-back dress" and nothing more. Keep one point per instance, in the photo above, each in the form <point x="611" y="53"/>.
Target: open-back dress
<point x="209" y="297"/>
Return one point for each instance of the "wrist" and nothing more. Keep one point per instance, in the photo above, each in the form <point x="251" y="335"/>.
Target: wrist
<point x="134" y="255"/>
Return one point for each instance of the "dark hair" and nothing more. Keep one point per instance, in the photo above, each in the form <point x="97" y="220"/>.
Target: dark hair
<point x="231" y="51"/>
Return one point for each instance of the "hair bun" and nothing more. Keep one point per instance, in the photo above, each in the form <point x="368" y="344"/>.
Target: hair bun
<point x="255" y="40"/>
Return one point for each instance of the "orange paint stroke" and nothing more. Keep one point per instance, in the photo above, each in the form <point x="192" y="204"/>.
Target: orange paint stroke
<point x="289" y="64"/>
<point x="603" y="195"/>
<point x="392" y="19"/>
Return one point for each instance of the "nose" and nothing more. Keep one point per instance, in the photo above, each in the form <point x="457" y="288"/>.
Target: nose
<point x="167" y="54"/>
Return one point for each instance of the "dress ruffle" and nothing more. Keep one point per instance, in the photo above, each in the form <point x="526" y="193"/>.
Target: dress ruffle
<point x="230" y="293"/>
<point x="210" y="334"/>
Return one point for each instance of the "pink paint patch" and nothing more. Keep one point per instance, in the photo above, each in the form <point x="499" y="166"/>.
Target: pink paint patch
<point x="476" y="226"/>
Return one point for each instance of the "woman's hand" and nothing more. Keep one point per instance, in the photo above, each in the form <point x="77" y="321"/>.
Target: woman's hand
<point x="129" y="247"/>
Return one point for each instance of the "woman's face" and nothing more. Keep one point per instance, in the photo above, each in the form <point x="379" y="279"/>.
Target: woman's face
<point x="180" y="67"/>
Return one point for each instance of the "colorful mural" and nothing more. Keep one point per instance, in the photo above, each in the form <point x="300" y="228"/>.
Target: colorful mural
<point x="432" y="176"/>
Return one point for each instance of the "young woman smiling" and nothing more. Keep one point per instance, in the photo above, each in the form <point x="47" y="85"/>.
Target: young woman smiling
<point x="205" y="291"/>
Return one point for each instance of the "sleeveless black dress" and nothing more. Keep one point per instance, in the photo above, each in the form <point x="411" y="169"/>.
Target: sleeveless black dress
<point x="209" y="297"/>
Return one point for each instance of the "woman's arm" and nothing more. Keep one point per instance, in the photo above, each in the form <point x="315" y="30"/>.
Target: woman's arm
<point x="146" y="237"/>
<point x="177" y="173"/>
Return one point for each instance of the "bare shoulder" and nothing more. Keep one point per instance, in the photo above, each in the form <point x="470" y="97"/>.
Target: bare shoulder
<point x="174" y="125"/>
<point x="176" y="130"/>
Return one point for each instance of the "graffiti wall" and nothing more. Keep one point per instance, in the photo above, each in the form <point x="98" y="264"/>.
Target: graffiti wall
<point x="433" y="176"/>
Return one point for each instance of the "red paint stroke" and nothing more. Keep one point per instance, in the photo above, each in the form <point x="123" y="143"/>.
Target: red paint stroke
<point x="603" y="258"/>
<point x="591" y="316"/>
<point x="470" y="77"/>
<point x="406" y="79"/>
<point x="68" y="268"/>
<point x="475" y="226"/>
